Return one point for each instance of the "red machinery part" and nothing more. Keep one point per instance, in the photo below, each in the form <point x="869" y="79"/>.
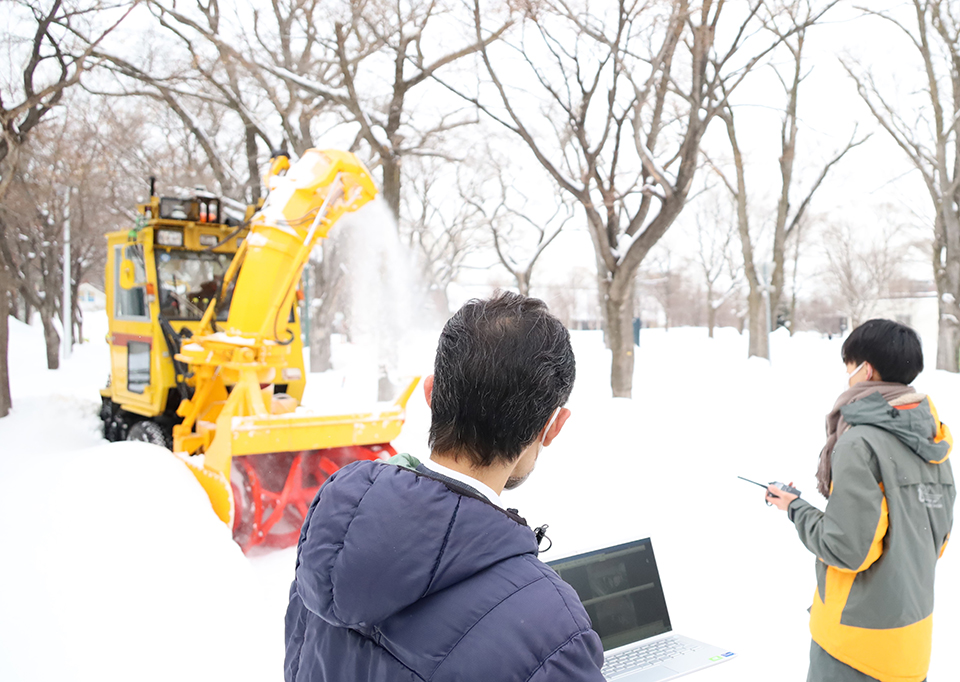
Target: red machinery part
<point x="273" y="492"/>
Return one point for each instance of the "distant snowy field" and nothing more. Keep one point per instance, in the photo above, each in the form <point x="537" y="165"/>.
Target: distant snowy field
<point x="115" y="568"/>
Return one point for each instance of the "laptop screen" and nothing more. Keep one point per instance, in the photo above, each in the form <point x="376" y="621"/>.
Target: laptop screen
<point x="621" y="591"/>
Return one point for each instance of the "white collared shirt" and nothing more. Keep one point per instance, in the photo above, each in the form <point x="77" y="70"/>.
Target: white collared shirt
<point x="479" y="486"/>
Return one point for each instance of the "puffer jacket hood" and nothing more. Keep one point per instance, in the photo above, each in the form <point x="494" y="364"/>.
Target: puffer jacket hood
<point x="377" y="554"/>
<point x="912" y="419"/>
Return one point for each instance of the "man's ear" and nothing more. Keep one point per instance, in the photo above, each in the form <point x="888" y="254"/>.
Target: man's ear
<point x="557" y="425"/>
<point x="428" y="389"/>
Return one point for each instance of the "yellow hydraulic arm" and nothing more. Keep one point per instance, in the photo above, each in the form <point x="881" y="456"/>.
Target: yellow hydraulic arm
<point x="232" y="410"/>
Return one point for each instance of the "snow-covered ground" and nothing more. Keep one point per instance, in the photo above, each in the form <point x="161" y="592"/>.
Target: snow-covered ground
<point x="115" y="568"/>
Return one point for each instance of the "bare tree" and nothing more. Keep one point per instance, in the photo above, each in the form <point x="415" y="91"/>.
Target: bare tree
<point x="54" y="58"/>
<point x="217" y="82"/>
<point x="925" y="128"/>
<point x="574" y="300"/>
<point x="666" y="276"/>
<point x="626" y="97"/>
<point x="378" y="63"/>
<point x="860" y="272"/>
<point x="440" y="228"/>
<point x="521" y="229"/>
<point x="402" y="32"/>
<point x="204" y="81"/>
<point x="77" y="161"/>
<point x="355" y="66"/>
<point x="722" y="273"/>
<point x="51" y="59"/>
<point x="33" y="216"/>
<point x="87" y="151"/>
<point x="384" y="56"/>
<point x="327" y="281"/>
<point x="797" y="242"/>
<point x="790" y="26"/>
<point x="661" y="277"/>
<point x="7" y="287"/>
<point x="505" y="241"/>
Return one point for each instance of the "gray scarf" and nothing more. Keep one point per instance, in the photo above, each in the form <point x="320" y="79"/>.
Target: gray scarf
<point x="836" y="426"/>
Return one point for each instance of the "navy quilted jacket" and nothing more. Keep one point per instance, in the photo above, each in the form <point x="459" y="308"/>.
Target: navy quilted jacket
<point x="404" y="577"/>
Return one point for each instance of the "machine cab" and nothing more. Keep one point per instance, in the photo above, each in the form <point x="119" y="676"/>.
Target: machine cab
<point x="160" y="278"/>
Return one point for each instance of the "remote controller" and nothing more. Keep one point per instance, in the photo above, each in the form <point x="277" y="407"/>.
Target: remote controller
<point x="785" y="488"/>
<point x="782" y="486"/>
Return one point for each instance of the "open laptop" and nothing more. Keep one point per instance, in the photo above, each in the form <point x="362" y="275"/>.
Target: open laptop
<point x="620" y="589"/>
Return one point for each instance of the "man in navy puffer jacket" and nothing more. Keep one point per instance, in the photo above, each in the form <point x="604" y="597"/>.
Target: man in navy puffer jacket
<point x="412" y="570"/>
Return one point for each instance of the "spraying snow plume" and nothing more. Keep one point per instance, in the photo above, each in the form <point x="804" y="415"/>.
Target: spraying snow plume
<point x="379" y="308"/>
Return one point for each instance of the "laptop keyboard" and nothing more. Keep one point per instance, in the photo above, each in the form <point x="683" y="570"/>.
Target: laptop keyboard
<point x="644" y="656"/>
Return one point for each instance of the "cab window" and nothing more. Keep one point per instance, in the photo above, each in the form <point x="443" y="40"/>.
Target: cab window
<point x="189" y="280"/>
<point x="138" y="366"/>
<point x="130" y="303"/>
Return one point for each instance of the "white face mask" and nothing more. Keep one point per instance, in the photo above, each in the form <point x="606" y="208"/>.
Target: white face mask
<point x="553" y="418"/>
<point x="514" y="482"/>
<point x="850" y="374"/>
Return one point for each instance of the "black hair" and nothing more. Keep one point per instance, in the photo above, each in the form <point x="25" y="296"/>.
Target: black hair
<point x="503" y="366"/>
<point x="892" y="348"/>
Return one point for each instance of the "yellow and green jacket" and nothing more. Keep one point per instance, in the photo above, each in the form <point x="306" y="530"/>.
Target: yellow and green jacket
<point x="886" y="523"/>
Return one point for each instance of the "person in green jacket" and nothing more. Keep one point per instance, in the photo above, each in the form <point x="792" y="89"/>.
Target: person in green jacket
<point x="889" y="484"/>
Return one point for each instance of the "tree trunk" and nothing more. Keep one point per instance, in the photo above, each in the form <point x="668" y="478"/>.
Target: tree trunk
<point x="52" y="339"/>
<point x="13" y="304"/>
<point x="602" y="287"/>
<point x="440" y="302"/>
<point x="793" y="313"/>
<point x="948" y="340"/>
<point x="667" y="302"/>
<point x="793" y="286"/>
<point x="328" y="281"/>
<point x="946" y="268"/>
<point x="523" y="282"/>
<point x="5" y="402"/>
<point x="320" y="348"/>
<point x="77" y="313"/>
<point x="756" y="311"/>
<point x="758" y="322"/>
<point x="711" y="314"/>
<point x="253" y="167"/>
<point x="619" y="315"/>
<point x="948" y="337"/>
<point x="77" y="324"/>
<point x="391" y="183"/>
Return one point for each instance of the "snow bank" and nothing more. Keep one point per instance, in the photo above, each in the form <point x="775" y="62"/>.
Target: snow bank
<point x="120" y="571"/>
<point x="116" y="568"/>
<point x="54" y="410"/>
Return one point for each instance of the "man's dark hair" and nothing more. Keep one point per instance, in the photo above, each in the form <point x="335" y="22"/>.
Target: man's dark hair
<point x="503" y="366"/>
<point x="892" y="348"/>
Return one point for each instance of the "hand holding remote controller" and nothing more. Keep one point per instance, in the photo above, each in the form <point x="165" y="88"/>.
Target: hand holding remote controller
<point x="777" y="491"/>
<point x="780" y="495"/>
<point x="786" y="488"/>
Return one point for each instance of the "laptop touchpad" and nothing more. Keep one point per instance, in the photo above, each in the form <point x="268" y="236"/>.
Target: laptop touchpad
<point x="649" y="675"/>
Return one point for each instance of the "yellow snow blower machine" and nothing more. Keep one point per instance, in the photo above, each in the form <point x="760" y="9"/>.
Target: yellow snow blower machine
<point x="205" y="348"/>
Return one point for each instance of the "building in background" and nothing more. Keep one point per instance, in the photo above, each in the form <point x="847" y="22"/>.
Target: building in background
<point x="914" y="303"/>
<point x="90" y="298"/>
